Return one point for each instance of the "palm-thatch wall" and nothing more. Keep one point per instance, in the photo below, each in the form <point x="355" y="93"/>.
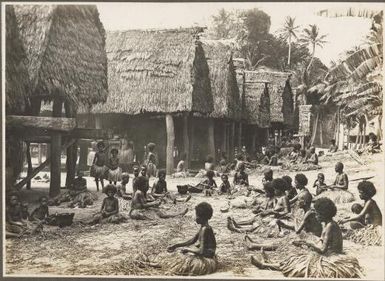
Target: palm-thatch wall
<point x="156" y="71"/>
<point x="281" y="96"/>
<point x="65" y="46"/>
<point x="257" y="100"/>
<point x="227" y="102"/>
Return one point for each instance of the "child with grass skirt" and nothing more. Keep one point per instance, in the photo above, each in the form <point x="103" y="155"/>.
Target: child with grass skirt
<point x="338" y="191"/>
<point x="200" y="260"/>
<point x="114" y="173"/>
<point x="325" y="260"/>
<point x="99" y="168"/>
<point x="370" y="216"/>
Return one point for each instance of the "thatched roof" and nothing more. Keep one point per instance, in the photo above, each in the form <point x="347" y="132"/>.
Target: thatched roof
<point x="281" y="96"/>
<point x="16" y="74"/>
<point x="65" y="46"/>
<point x="227" y="102"/>
<point x="257" y="100"/>
<point x="156" y="71"/>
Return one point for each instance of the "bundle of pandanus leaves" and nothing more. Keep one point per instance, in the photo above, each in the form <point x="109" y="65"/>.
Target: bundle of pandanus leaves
<point x="367" y="236"/>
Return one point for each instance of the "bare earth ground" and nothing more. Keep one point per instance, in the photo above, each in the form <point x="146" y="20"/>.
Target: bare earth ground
<point x="112" y="249"/>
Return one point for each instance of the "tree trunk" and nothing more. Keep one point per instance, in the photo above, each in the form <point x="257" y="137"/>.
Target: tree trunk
<point x="83" y="145"/>
<point x="39" y="157"/>
<point x="232" y="140"/>
<point x="224" y="139"/>
<point x="311" y="60"/>
<point x="239" y="142"/>
<point x="170" y="144"/>
<point x="338" y="128"/>
<point x="29" y="162"/>
<point x="253" y="140"/>
<point x="191" y="127"/>
<point x="186" y="140"/>
<point x="348" y="138"/>
<point x="315" y="128"/>
<point x="55" y="153"/>
<point x="211" y="140"/>
<point x="72" y="150"/>
<point x="288" y="57"/>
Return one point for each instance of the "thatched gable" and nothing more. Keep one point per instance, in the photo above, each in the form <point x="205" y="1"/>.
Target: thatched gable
<point x="65" y="46"/>
<point x="281" y="95"/>
<point x="257" y="100"/>
<point x="16" y="74"/>
<point x="227" y="102"/>
<point x="156" y="71"/>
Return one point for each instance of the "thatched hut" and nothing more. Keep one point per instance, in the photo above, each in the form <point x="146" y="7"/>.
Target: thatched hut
<point x="155" y="75"/>
<point x="65" y="51"/>
<point x="17" y="92"/>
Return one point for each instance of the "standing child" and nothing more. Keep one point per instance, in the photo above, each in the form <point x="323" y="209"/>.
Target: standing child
<point x="320" y="184"/>
<point x="136" y="171"/>
<point x="152" y="160"/>
<point x="99" y="168"/>
<point x="202" y="259"/>
<point x="114" y="172"/>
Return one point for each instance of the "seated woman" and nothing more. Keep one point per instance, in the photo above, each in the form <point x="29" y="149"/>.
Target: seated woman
<point x="313" y="157"/>
<point x="181" y="171"/>
<point x="370" y="213"/>
<point x="15" y="225"/>
<point x="209" y="166"/>
<point x="200" y="260"/>
<point x="291" y="191"/>
<point x="326" y="259"/>
<point x="41" y="213"/>
<point x="293" y="155"/>
<point x="240" y="177"/>
<point x="143" y="210"/>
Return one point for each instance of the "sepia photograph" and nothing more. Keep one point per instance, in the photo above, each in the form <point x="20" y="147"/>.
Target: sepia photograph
<point x="219" y="140"/>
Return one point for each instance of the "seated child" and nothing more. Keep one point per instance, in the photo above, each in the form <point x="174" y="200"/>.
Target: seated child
<point x="109" y="212"/>
<point x="267" y="177"/>
<point x="41" y="213"/>
<point x="274" y="157"/>
<point x="333" y="148"/>
<point x="121" y="188"/>
<point x="293" y="155"/>
<point x="341" y="181"/>
<point x="209" y="183"/>
<point x="310" y="222"/>
<point x="141" y="209"/>
<point x="329" y="250"/>
<point x="313" y="158"/>
<point x="79" y="194"/>
<point x="200" y="260"/>
<point x="159" y="189"/>
<point x="225" y="187"/>
<point x="301" y="157"/>
<point x="181" y="168"/>
<point x="240" y="177"/>
<point x="16" y="226"/>
<point x="223" y="168"/>
<point x="266" y="159"/>
<point x="300" y="181"/>
<point x="209" y="165"/>
<point x="282" y="206"/>
<point x="24" y="211"/>
<point x="291" y="191"/>
<point x="371" y="213"/>
<point x="320" y="184"/>
<point x="114" y="171"/>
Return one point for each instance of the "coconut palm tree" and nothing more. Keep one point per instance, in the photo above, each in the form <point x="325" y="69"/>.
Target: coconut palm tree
<point x="311" y="36"/>
<point x="287" y="33"/>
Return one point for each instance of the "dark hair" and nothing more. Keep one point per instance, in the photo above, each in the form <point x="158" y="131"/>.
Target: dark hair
<point x="136" y="167"/>
<point x="340" y="166"/>
<point x="301" y="179"/>
<point x="239" y="157"/>
<point x="114" y="150"/>
<point x="321" y="175"/>
<point x="140" y="183"/>
<point x="356" y="208"/>
<point x="210" y="174"/>
<point x="241" y="166"/>
<point x="204" y="210"/>
<point x="367" y="187"/>
<point x="288" y="180"/>
<point x="161" y="172"/>
<point x="209" y="159"/>
<point x="268" y="171"/>
<point x="268" y="187"/>
<point x="222" y="162"/>
<point x="151" y="146"/>
<point x="43" y="197"/>
<point x="332" y="141"/>
<point x="110" y="187"/>
<point x="143" y="167"/>
<point x="325" y="207"/>
<point x="224" y="176"/>
<point x="101" y="143"/>
<point x="125" y="176"/>
<point x="297" y="146"/>
<point x="279" y="184"/>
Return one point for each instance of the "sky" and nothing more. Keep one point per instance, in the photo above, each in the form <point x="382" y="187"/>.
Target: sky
<point x="342" y="33"/>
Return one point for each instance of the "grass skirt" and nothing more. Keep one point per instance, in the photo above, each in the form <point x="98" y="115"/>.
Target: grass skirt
<point x="117" y="218"/>
<point x="114" y="175"/>
<point x="300" y="166"/>
<point x="98" y="171"/>
<point x="313" y="265"/>
<point x="84" y="199"/>
<point x="188" y="264"/>
<point x="144" y="214"/>
<point x="25" y="229"/>
<point x="151" y="170"/>
<point x="368" y="236"/>
<point x="337" y="196"/>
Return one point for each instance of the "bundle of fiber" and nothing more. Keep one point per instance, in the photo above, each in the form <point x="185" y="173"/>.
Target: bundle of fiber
<point x="300" y="167"/>
<point x="314" y="265"/>
<point x="187" y="264"/>
<point x="368" y="236"/>
<point x="337" y="196"/>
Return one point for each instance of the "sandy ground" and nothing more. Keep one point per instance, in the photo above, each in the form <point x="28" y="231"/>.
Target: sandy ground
<point x="111" y="249"/>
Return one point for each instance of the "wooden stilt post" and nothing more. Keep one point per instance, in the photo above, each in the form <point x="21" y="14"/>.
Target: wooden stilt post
<point x="224" y="138"/>
<point x="72" y="150"/>
<point x="239" y="142"/>
<point x="39" y="157"/>
<point x="186" y="140"/>
<point x="232" y="140"/>
<point x="192" y="134"/>
<point x="211" y="140"/>
<point x="253" y="139"/>
<point x="170" y="144"/>
<point x="29" y="162"/>
<point x="55" y="153"/>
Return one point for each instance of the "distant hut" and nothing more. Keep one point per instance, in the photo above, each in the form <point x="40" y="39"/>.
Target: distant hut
<point x="226" y="97"/>
<point x="65" y="49"/>
<point x="17" y="92"/>
<point x="157" y="79"/>
<point x="257" y="110"/>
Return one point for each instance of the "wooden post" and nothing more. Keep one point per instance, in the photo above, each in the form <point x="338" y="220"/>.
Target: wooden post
<point x="170" y="144"/>
<point x="253" y="139"/>
<point x="29" y="162"/>
<point x="72" y="150"/>
<point x="98" y="122"/>
<point x="186" y="140"/>
<point x="232" y="140"/>
<point x="39" y="157"/>
<point x="191" y="131"/>
<point x="55" y="157"/>
<point x="239" y="142"/>
<point x="224" y="138"/>
<point x="211" y="140"/>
